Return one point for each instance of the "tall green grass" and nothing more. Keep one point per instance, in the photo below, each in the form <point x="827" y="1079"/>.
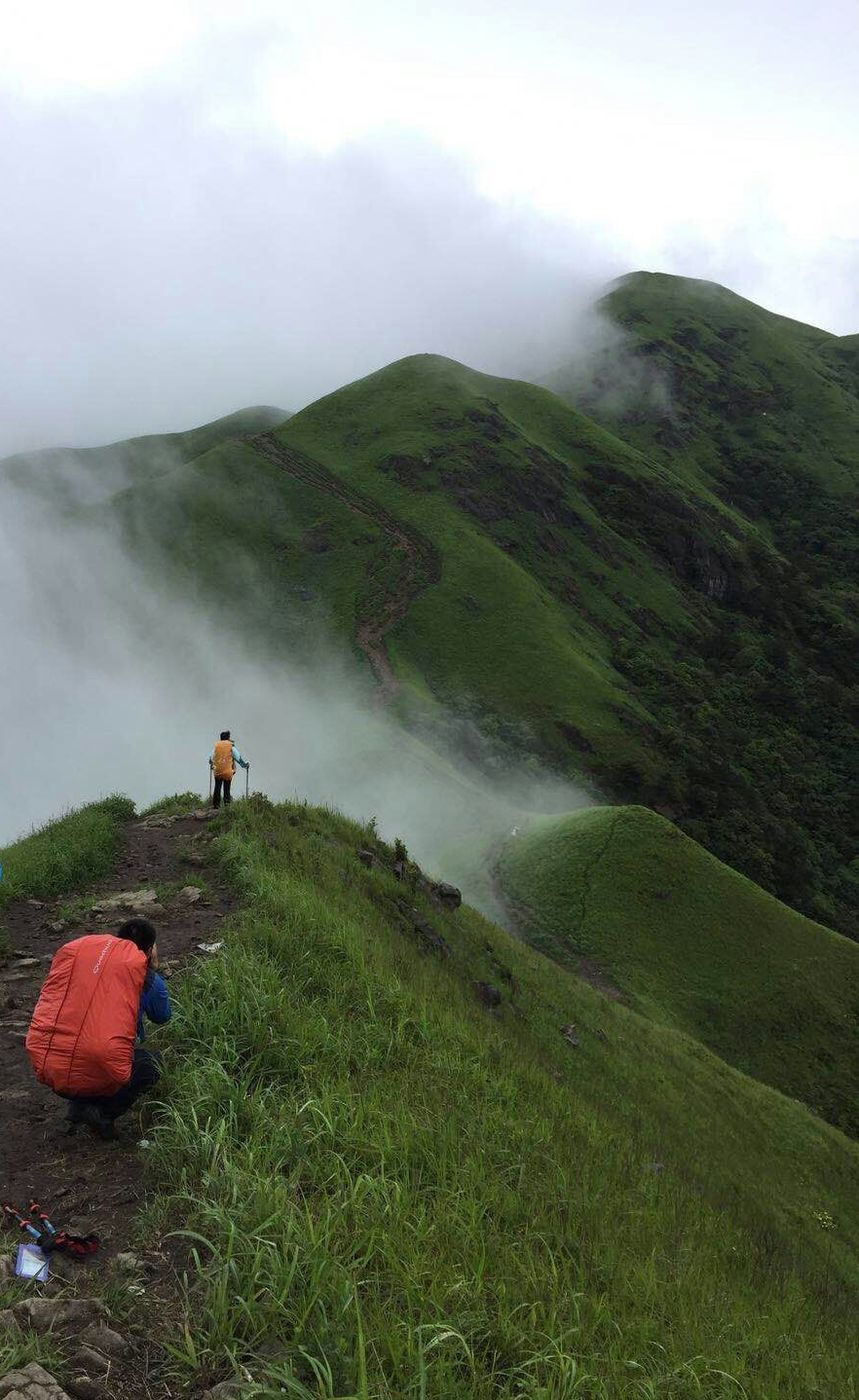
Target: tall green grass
<point x="388" y="1191"/>
<point x="66" y="854"/>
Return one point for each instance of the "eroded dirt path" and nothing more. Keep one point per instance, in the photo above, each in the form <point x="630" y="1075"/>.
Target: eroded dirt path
<point x="419" y="563"/>
<point x="88" y="1185"/>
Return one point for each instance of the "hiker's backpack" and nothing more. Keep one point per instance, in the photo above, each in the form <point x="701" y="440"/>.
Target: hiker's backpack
<point x="81" y="1038"/>
<point x="222" y="760"/>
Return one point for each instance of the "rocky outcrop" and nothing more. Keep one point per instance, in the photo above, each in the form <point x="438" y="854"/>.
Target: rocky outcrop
<point x="445" y="896"/>
<point x="701" y="566"/>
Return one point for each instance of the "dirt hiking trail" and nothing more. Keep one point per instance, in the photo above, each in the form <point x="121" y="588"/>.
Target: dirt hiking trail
<point x="419" y="565"/>
<point x="86" y="1184"/>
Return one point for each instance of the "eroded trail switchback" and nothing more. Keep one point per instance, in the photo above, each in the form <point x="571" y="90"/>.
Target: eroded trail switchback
<point x="419" y="565"/>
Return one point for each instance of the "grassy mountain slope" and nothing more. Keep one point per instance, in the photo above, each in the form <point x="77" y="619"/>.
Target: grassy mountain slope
<point x="723" y="648"/>
<point x="297" y="560"/>
<point x="692" y="944"/>
<point x="758" y="719"/>
<point x="509" y="621"/>
<point x="743" y="386"/>
<point x="469" y="462"/>
<point x="97" y="472"/>
<point x="404" y="1193"/>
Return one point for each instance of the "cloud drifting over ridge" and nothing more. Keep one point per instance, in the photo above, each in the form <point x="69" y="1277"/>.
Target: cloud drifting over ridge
<point x="206" y="208"/>
<point x="195" y="271"/>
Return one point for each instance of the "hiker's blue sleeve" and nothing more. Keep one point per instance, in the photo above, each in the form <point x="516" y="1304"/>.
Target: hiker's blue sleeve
<point x="237" y="758"/>
<point x="155" y="1002"/>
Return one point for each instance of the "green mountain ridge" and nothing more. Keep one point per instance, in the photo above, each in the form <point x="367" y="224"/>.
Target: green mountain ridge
<point x="660" y="601"/>
<point x="707" y="636"/>
<point x="693" y="945"/>
<point x="77" y="470"/>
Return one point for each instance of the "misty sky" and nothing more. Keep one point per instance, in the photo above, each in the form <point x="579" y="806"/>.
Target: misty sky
<point x="207" y="205"/>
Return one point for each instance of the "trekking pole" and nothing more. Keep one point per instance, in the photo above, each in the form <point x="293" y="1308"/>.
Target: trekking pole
<point x="247" y="778"/>
<point x="210" y="780"/>
<point x="37" y="1214"/>
<point x="25" y="1226"/>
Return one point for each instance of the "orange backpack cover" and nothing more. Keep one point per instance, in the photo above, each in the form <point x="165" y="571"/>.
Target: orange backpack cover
<point x="81" y="1038"/>
<point x="222" y="759"/>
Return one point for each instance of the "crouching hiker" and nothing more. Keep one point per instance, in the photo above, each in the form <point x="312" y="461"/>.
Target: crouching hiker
<point x="83" y="1038"/>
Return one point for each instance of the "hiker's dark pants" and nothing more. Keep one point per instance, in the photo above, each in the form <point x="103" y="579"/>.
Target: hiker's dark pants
<point x="145" y="1073"/>
<point x="225" y="784"/>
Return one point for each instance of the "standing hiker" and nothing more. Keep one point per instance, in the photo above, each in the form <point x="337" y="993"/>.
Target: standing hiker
<point x="83" y="1040"/>
<point x="223" y="762"/>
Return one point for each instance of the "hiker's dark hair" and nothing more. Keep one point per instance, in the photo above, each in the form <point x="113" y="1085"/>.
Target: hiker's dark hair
<point x="225" y="733"/>
<point x="140" y="932"/>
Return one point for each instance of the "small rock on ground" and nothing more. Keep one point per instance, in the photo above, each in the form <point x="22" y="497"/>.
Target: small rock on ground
<point x="103" y="1339"/>
<point x="86" y="1388"/>
<point x="45" y="1314"/>
<point x="87" y="1361"/>
<point x="31" y="1383"/>
<point x="227" y="1390"/>
<point x="129" y="899"/>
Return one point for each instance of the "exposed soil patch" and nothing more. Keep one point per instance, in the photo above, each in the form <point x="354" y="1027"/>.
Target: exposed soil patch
<point x="84" y="1183"/>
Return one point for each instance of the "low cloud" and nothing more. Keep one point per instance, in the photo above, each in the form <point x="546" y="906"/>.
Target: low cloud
<point x="159" y="271"/>
<point x="112" y="685"/>
<point x="605" y="376"/>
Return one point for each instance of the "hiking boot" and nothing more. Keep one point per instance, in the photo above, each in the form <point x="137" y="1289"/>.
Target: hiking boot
<point x="94" y="1117"/>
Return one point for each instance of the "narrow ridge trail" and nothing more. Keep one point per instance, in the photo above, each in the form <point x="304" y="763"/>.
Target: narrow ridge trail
<point x="85" y="1184"/>
<point x="420" y="565"/>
